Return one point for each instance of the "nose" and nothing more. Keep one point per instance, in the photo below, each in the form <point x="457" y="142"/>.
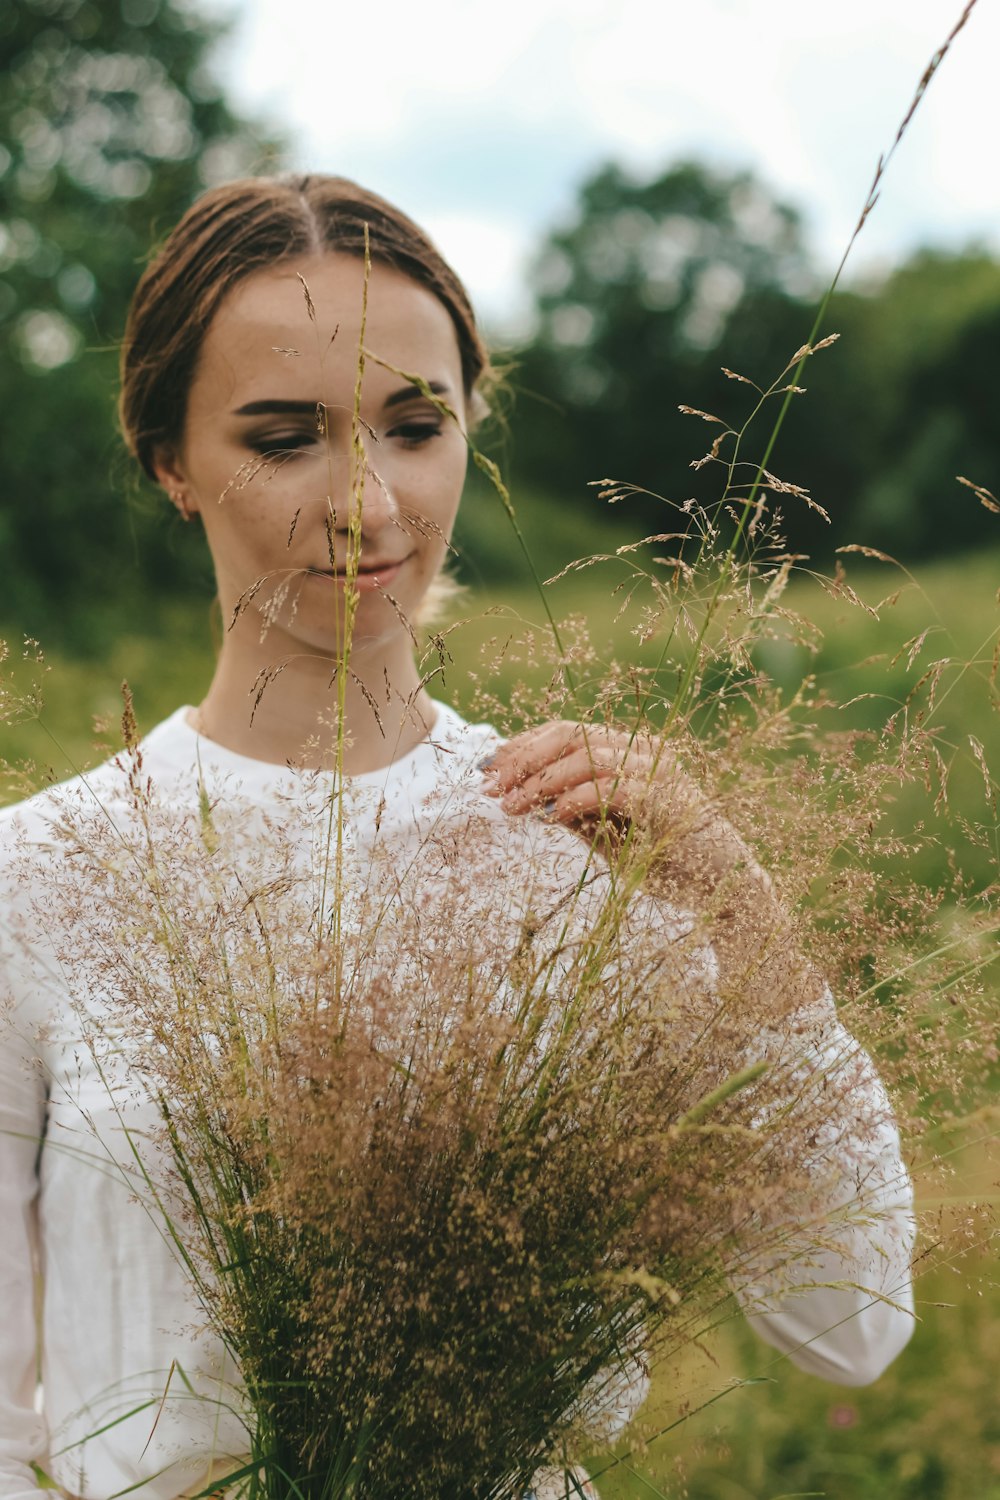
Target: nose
<point x="378" y="505"/>
<point x="366" y="495"/>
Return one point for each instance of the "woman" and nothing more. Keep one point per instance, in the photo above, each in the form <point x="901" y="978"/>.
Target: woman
<point x="327" y="498"/>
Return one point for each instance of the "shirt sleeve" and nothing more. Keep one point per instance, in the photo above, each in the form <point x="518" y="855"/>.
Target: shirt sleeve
<point x="830" y="1287"/>
<point x="22" y="1115"/>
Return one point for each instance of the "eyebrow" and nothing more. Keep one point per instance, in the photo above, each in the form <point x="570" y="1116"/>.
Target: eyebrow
<point x="272" y="405"/>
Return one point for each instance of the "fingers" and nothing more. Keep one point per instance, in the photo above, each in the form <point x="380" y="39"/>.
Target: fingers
<point x="601" y="768"/>
<point x="527" y="753"/>
<point x="570" y="771"/>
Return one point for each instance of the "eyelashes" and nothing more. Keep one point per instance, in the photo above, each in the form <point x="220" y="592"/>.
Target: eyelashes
<point x="280" y="445"/>
<point x="415" y="433"/>
<point x="288" y="444"/>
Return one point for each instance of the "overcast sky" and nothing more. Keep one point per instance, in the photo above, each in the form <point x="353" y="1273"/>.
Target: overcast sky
<point x="479" y="117"/>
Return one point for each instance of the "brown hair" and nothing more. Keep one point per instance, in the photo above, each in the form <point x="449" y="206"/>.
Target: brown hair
<point x="228" y="234"/>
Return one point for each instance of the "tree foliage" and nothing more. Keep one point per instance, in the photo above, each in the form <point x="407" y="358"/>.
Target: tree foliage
<point x="654" y="286"/>
<point x="110" y="123"/>
<point x="635" y="297"/>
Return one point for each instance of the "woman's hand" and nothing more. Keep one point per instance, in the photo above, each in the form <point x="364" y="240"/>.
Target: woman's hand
<point x="597" y="779"/>
<point x="576" y="773"/>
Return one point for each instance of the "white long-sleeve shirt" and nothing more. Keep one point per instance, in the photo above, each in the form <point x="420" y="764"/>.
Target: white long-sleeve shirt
<point x="135" y="1388"/>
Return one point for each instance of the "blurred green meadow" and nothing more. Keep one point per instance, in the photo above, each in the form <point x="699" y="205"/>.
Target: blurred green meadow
<point x="497" y="637"/>
<point x="930" y="1428"/>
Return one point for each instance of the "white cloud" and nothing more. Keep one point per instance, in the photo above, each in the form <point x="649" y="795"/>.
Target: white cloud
<point x="484" y="116"/>
<point x="489" y="256"/>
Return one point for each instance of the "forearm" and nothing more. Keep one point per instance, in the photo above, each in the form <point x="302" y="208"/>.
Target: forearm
<point x="698" y="861"/>
<point x="824" y="1272"/>
<point x="836" y="1212"/>
<point x="824" y="1276"/>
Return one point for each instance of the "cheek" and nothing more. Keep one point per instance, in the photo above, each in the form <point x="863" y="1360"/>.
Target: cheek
<point x="242" y="530"/>
<point x="420" y="510"/>
<point x="442" y="485"/>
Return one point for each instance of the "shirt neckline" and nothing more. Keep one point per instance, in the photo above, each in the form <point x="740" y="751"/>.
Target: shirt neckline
<point x="186" y="747"/>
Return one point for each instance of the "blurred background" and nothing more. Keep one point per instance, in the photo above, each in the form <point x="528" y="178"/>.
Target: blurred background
<point x="637" y="195"/>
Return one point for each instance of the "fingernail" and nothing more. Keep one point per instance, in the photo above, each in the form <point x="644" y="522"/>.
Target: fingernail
<point x="548" y="808"/>
<point x="486" y="763"/>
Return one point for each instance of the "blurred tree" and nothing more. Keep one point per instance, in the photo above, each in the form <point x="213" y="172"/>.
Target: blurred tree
<point x="928" y="339"/>
<point x="110" y="123"/>
<point x="903" y="402"/>
<point x="635" y="299"/>
<point x="653" y="287"/>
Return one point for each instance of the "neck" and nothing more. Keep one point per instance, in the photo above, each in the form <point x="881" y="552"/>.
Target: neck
<point x="282" y="704"/>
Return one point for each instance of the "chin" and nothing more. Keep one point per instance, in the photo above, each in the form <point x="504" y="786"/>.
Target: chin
<point x="315" y="621"/>
<point x="374" y="630"/>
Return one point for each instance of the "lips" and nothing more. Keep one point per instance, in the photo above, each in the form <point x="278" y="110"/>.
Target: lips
<point x="368" y="573"/>
<point x="368" y="569"/>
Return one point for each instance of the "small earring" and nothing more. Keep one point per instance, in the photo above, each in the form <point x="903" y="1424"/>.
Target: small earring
<point x="178" y="498"/>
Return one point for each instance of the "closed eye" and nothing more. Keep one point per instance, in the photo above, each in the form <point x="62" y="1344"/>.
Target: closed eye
<point x="276" y="444"/>
<point x="414" y="434"/>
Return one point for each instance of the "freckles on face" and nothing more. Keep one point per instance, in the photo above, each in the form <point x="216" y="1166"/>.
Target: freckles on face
<point x="273" y="451"/>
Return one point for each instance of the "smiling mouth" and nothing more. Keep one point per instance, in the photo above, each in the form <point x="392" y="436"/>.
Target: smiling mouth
<point x="365" y="570"/>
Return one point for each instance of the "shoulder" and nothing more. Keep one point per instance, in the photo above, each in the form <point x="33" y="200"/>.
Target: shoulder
<point x="32" y="820"/>
<point x="103" y="791"/>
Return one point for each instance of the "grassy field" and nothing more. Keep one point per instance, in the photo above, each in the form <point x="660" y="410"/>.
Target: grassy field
<point x="167" y="657"/>
<point x="930" y="1429"/>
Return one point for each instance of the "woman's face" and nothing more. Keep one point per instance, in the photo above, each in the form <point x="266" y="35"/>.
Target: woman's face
<point x="266" y="456"/>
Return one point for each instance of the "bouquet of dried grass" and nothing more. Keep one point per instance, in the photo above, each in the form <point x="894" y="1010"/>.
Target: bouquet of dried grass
<point x="453" y="1140"/>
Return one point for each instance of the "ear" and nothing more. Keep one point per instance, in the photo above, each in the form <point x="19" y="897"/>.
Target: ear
<point x="171" y="475"/>
<point x="478" y="409"/>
